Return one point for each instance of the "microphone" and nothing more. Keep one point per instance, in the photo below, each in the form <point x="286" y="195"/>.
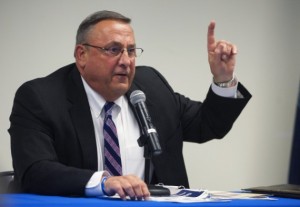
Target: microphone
<point x="137" y="99"/>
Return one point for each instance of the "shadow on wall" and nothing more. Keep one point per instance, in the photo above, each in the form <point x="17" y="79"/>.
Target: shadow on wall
<point x="294" y="177"/>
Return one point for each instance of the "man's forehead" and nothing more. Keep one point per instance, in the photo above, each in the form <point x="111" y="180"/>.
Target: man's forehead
<point x="113" y="25"/>
<point x="113" y="31"/>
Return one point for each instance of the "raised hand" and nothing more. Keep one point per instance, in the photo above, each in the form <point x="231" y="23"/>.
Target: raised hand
<point x="221" y="56"/>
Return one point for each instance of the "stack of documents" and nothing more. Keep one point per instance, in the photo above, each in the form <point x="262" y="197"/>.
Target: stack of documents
<point x="181" y="195"/>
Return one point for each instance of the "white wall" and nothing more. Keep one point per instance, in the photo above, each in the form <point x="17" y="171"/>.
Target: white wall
<point x="37" y="37"/>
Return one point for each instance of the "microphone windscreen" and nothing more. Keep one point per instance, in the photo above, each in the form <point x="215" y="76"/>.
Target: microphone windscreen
<point x="137" y="96"/>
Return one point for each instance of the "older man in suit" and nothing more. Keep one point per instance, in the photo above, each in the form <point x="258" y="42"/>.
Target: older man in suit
<point x="58" y="122"/>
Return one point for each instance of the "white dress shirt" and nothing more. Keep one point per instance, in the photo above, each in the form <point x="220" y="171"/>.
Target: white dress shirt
<point x="132" y="158"/>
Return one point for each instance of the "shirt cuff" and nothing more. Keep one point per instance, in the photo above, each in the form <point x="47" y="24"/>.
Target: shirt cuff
<point x="225" y="92"/>
<point x="93" y="187"/>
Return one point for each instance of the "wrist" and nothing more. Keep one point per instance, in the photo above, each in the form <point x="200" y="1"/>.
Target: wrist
<point x="227" y="84"/>
<point x="104" y="179"/>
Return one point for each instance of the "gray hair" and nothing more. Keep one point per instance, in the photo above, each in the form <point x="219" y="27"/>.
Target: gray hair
<point x="88" y="23"/>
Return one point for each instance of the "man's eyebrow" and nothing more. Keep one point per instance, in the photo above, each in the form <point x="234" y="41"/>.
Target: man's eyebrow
<point x="114" y="43"/>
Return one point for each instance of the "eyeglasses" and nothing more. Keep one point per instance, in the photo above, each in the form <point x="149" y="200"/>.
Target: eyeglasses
<point x="114" y="51"/>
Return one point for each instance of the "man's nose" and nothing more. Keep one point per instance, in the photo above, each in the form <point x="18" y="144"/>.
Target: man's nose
<point x="124" y="58"/>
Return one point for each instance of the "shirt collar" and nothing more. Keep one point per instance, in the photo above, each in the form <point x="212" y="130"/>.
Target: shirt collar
<point x="97" y="102"/>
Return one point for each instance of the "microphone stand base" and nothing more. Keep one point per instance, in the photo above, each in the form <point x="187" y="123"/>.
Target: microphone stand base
<point x="156" y="190"/>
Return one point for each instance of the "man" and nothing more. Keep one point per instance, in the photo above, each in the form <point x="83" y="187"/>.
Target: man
<point x="59" y="127"/>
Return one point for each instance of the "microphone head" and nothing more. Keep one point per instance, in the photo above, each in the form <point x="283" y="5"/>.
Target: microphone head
<point x="137" y="96"/>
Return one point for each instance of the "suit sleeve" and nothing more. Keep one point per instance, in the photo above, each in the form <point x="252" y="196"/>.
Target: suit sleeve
<point x="35" y="161"/>
<point x="212" y="118"/>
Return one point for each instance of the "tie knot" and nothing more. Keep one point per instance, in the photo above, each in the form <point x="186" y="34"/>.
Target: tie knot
<point x="108" y="107"/>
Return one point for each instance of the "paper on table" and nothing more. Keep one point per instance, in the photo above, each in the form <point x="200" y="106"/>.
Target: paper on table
<point x="198" y="195"/>
<point x="180" y="195"/>
<point x="238" y="195"/>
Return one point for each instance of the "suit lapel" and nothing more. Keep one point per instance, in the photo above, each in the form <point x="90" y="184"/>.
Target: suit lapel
<point x="81" y="116"/>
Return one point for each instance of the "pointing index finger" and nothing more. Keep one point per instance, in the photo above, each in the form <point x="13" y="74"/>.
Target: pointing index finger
<point x="211" y="36"/>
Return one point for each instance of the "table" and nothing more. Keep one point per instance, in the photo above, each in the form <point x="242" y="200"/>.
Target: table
<point x="26" y="200"/>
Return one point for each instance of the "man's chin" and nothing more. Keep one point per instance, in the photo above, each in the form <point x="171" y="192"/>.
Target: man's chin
<point x="122" y="89"/>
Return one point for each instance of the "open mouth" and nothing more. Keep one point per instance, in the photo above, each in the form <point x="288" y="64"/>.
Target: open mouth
<point x="121" y="77"/>
<point x="122" y="74"/>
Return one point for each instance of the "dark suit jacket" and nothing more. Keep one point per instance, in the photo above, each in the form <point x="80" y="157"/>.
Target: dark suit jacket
<point x="53" y="140"/>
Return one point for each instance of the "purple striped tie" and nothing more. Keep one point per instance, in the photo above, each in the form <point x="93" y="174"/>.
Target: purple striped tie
<point x="111" y="143"/>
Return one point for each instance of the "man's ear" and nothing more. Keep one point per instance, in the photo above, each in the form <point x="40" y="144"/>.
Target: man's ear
<point x="80" y="55"/>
